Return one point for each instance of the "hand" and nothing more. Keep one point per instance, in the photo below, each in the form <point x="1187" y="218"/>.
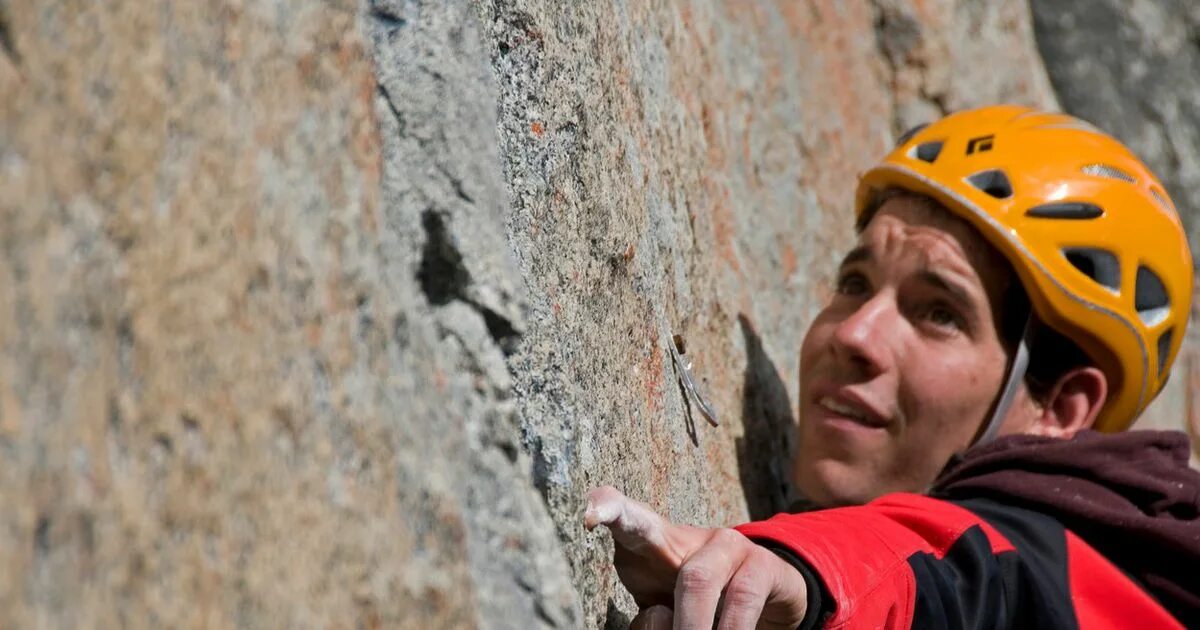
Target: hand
<point x="695" y="571"/>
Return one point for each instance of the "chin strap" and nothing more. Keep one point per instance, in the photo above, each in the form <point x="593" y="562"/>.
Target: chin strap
<point x="1016" y="372"/>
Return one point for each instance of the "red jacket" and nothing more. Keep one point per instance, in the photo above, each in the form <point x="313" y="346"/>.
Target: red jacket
<point x="1013" y="540"/>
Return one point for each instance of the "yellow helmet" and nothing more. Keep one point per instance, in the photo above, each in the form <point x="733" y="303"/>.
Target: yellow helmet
<point x="1089" y="230"/>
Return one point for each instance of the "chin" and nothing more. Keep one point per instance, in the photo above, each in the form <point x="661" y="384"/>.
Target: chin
<point x="831" y="483"/>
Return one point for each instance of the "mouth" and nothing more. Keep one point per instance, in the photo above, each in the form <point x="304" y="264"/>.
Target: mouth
<point x="854" y="411"/>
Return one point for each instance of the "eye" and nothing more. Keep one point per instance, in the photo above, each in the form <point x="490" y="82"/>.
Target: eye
<point x="943" y="316"/>
<point x="852" y="283"/>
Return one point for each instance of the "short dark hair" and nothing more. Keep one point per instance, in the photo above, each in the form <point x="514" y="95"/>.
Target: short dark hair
<point x="1051" y="354"/>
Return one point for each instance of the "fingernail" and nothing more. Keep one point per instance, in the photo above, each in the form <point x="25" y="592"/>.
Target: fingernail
<point x="660" y="617"/>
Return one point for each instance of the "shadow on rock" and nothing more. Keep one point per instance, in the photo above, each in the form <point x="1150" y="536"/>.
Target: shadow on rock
<point x="764" y="450"/>
<point x="615" y="619"/>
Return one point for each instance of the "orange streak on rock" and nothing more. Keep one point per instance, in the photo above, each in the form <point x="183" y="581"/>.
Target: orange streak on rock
<point x="789" y="263"/>
<point x="724" y="228"/>
<point x="652" y="369"/>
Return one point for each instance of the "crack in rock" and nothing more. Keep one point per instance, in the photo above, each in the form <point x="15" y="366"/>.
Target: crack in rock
<point x="387" y="15"/>
<point x="6" y="39"/>
<point x="443" y="277"/>
<point x="456" y="183"/>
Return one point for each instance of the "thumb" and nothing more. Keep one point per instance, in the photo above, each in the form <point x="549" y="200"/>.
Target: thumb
<point x="653" y="618"/>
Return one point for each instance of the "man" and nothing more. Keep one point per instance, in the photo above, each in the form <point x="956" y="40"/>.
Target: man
<point x="1019" y="279"/>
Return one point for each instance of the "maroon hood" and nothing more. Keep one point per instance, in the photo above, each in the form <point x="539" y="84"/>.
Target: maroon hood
<point x="1131" y="496"/>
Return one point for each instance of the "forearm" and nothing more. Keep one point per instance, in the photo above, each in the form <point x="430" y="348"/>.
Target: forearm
<point x="881" y="565"/>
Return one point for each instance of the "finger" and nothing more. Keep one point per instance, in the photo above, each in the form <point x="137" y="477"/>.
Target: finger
<point x="604" y="505"/>
<point x="702" y="578"/>
<point x="787" y="593"/>
<point x="744" y="597"/>
<point x="653" y="618"/>
<point x="634" y="525"/>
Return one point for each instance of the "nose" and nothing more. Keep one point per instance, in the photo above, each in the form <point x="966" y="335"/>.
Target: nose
<point x="862" y="338"/>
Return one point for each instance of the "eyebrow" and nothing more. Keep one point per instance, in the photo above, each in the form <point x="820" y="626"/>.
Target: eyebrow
<point x="862" y="253"/>
<point x="955" y="289"/>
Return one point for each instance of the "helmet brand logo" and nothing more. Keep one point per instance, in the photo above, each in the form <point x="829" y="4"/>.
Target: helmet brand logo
<point x="980" y="144"/>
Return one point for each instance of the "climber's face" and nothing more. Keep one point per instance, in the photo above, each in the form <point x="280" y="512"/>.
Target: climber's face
<point x="899" y="370"/>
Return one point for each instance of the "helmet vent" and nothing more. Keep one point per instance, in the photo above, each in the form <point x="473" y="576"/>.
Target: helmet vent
<point x="1161" y="199"/>
<point x="1065" y="210"/>
<point x="1150" y="297"/>
<point x="908" y="135"/>
<point x="1111" y="172"/>
<point x="994" y="183"/>
<point x="1164" y="349"/>
<point x="927" y="151"/>
<point x="1097" y="264"/>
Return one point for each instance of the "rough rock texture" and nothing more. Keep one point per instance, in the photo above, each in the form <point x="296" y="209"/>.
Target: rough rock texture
<point x="1129" y="66"/>
<point x="329" y="315"/>
<point x="254" y="299"/>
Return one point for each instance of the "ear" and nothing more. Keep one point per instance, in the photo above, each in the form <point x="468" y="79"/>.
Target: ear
<point x="1072" y="404"/>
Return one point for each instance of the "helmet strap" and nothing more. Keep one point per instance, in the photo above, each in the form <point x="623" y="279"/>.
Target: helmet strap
<point x="1016" y="373"/>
